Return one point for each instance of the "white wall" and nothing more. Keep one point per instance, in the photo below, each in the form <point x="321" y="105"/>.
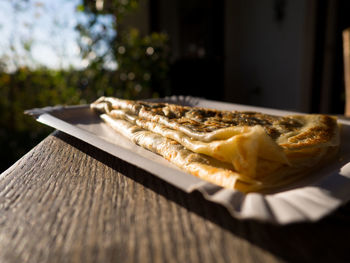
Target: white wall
<point x="269" y="63"/>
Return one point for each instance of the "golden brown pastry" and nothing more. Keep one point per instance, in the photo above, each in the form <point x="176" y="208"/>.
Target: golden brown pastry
<point x="248" y="151"/>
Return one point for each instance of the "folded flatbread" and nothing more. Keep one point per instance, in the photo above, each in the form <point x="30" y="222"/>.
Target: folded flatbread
<point x="248" y="151"/>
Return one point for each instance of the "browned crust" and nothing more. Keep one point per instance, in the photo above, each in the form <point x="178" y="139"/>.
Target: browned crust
<point x="203" y="120"/>
<point x="322" y="133"/>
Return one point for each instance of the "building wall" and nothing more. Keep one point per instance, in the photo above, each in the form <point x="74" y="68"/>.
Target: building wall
<point x="269" y="52"/>
<point x="268" y="48"/>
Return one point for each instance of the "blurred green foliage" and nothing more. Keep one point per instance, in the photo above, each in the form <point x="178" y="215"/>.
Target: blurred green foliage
<point x="118" y="8"/>
<point x="143" y="64"/>
<point x="141" y="61"/>
<point x="25" y="89"/>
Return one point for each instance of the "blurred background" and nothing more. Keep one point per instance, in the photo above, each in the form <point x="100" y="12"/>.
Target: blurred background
<point x="284" y="54"/>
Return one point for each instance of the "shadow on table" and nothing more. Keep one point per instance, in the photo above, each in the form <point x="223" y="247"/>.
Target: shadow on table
<point x="323" y="241"/>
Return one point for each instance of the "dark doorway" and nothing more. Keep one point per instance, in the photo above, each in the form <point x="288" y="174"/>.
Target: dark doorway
<point x="197" y="38"/>
<point x="328" y="91"/>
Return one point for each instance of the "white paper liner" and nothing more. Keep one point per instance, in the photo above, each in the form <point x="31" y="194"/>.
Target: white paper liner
<point x="309" y="200"/>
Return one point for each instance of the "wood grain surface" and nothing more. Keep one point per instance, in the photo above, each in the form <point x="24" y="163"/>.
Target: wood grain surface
<point x="66" y="201"/>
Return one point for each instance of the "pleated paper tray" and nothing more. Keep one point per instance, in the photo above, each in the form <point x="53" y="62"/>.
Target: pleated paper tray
<point x="309" y="200"/>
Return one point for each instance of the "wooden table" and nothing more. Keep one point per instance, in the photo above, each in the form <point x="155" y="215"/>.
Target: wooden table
<point x="66" y="201"/>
